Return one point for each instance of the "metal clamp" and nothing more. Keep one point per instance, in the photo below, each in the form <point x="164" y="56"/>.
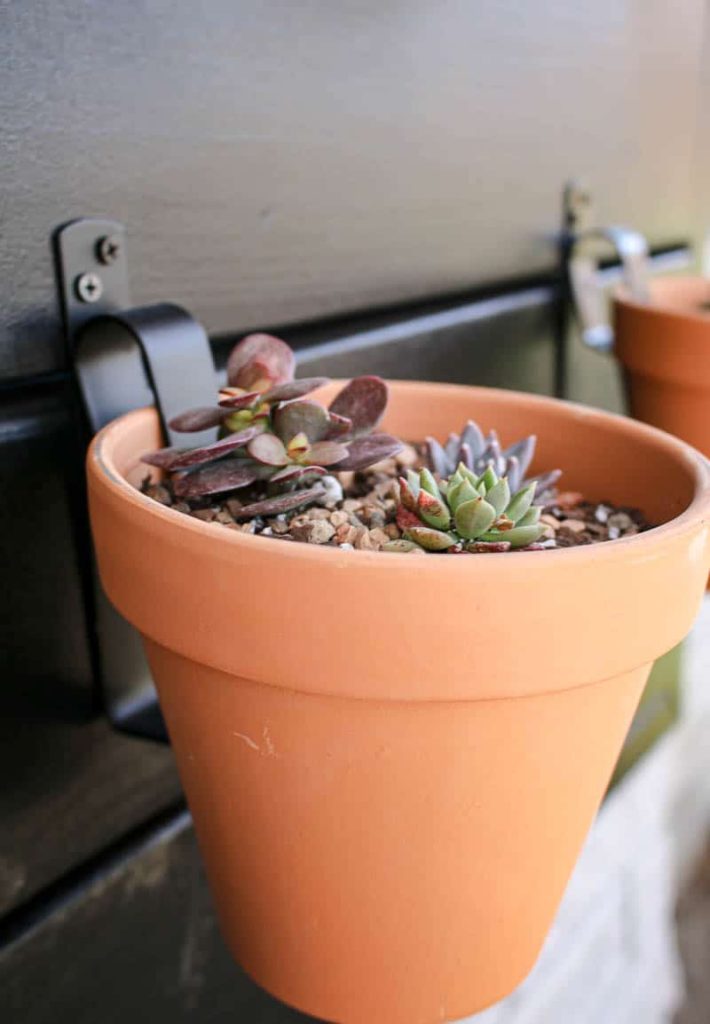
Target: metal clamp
<point x="125" y="359"/>
<point x="583" y="276"/>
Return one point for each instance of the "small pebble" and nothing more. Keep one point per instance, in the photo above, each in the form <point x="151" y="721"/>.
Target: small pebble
<point x="378" y="537"/>
<point x="620" y="521"/>
<point x="346" y="534"/>
<point x="362" y="540"/>
<point x="205" y="514"/>
<point x="574" y="525"/>
<point x="333" y="490"/>
<point x="279" y="527"/>
<point x="159" y="493"/>
<point x="338" y="518"/>
<point x="314" y="531"/>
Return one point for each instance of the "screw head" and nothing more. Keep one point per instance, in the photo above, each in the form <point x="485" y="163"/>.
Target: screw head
<point x="89" y="287"/>
<point x="108" y="249"/>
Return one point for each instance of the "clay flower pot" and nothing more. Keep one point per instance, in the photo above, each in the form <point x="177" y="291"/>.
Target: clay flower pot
<point x="393" y="760"/>
<point x="664" y="347"/>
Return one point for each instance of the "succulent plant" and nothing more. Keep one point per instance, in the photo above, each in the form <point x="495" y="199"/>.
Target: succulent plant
<point x="477" y="452"/>
<point x="466" y="512"/>
<point x="271" y="434"/>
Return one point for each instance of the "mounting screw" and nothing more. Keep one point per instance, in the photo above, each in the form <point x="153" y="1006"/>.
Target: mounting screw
<point x="89" y="287"/>
<point x="108" y="249"/>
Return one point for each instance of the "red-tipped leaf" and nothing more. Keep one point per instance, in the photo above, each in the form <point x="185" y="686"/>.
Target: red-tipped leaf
<point x="406" y="519"/>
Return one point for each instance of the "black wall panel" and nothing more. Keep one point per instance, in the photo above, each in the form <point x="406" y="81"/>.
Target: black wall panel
<point x="279" y="161"/>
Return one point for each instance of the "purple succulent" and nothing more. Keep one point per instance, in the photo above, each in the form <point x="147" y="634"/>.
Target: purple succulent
<point x="272" y="433"/>
<point x="476" y="452"/>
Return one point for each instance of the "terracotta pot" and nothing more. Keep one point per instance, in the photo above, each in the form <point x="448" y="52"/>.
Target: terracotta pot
<point x="392" y="761"/>
<point x="665" y="349"/>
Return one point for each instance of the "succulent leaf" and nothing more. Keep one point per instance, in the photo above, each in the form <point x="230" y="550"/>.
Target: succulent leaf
<point x="294" y="389"/>
<point x="164" y="457"/>
<point x="406" y="518"/>
<point x="518" y="537"/>
<point x="401" y="545"/>
<point x="487" y="480"/>
<point x="339" y="426"/>
<point x="531" y="517"/>
<point x="237" y="398"/>
<point x="473" y="518"/>
<point x="363" y="402"/>
<point x="210" y="452"/>
<point x="499" y="496"/>
<point x="269" y="449"/>
<point x="429" y="539"/>
<point x="436" y="457"/>
<point x="472" y="436"/>
<point x="428" y="483"/>
<point x="368" y="450"/>
<point x="461" y="492"/>
<point x="301" y="417"/>
<point x="215" y="479"/>
<point x="326" y="453"/>
<point x="407" y="495"/>
<point x="280" y="503"/>
<point x="521" y="502"/>
<point x="433" y="510"/>
<point x="523" y="451"/>
<point x="260" y="362"/>
<point x="294" y="472"/>
<point x="197" y="419"/>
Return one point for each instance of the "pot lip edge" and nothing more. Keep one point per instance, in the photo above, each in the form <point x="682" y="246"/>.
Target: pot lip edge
<point x="622" y="298"/>
<point x="101" y="468"/>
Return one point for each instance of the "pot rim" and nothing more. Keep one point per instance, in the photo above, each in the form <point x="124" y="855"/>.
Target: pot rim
<point x="657" y="305"/>
<point x="100" y="461"/>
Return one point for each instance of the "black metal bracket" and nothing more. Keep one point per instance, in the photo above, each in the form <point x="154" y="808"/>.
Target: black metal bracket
<point x="125" y="359"/>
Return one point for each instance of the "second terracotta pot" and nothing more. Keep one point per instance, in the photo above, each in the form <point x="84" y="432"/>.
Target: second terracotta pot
<point x="664" y="347"/>
<point x="393" y="760"/>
